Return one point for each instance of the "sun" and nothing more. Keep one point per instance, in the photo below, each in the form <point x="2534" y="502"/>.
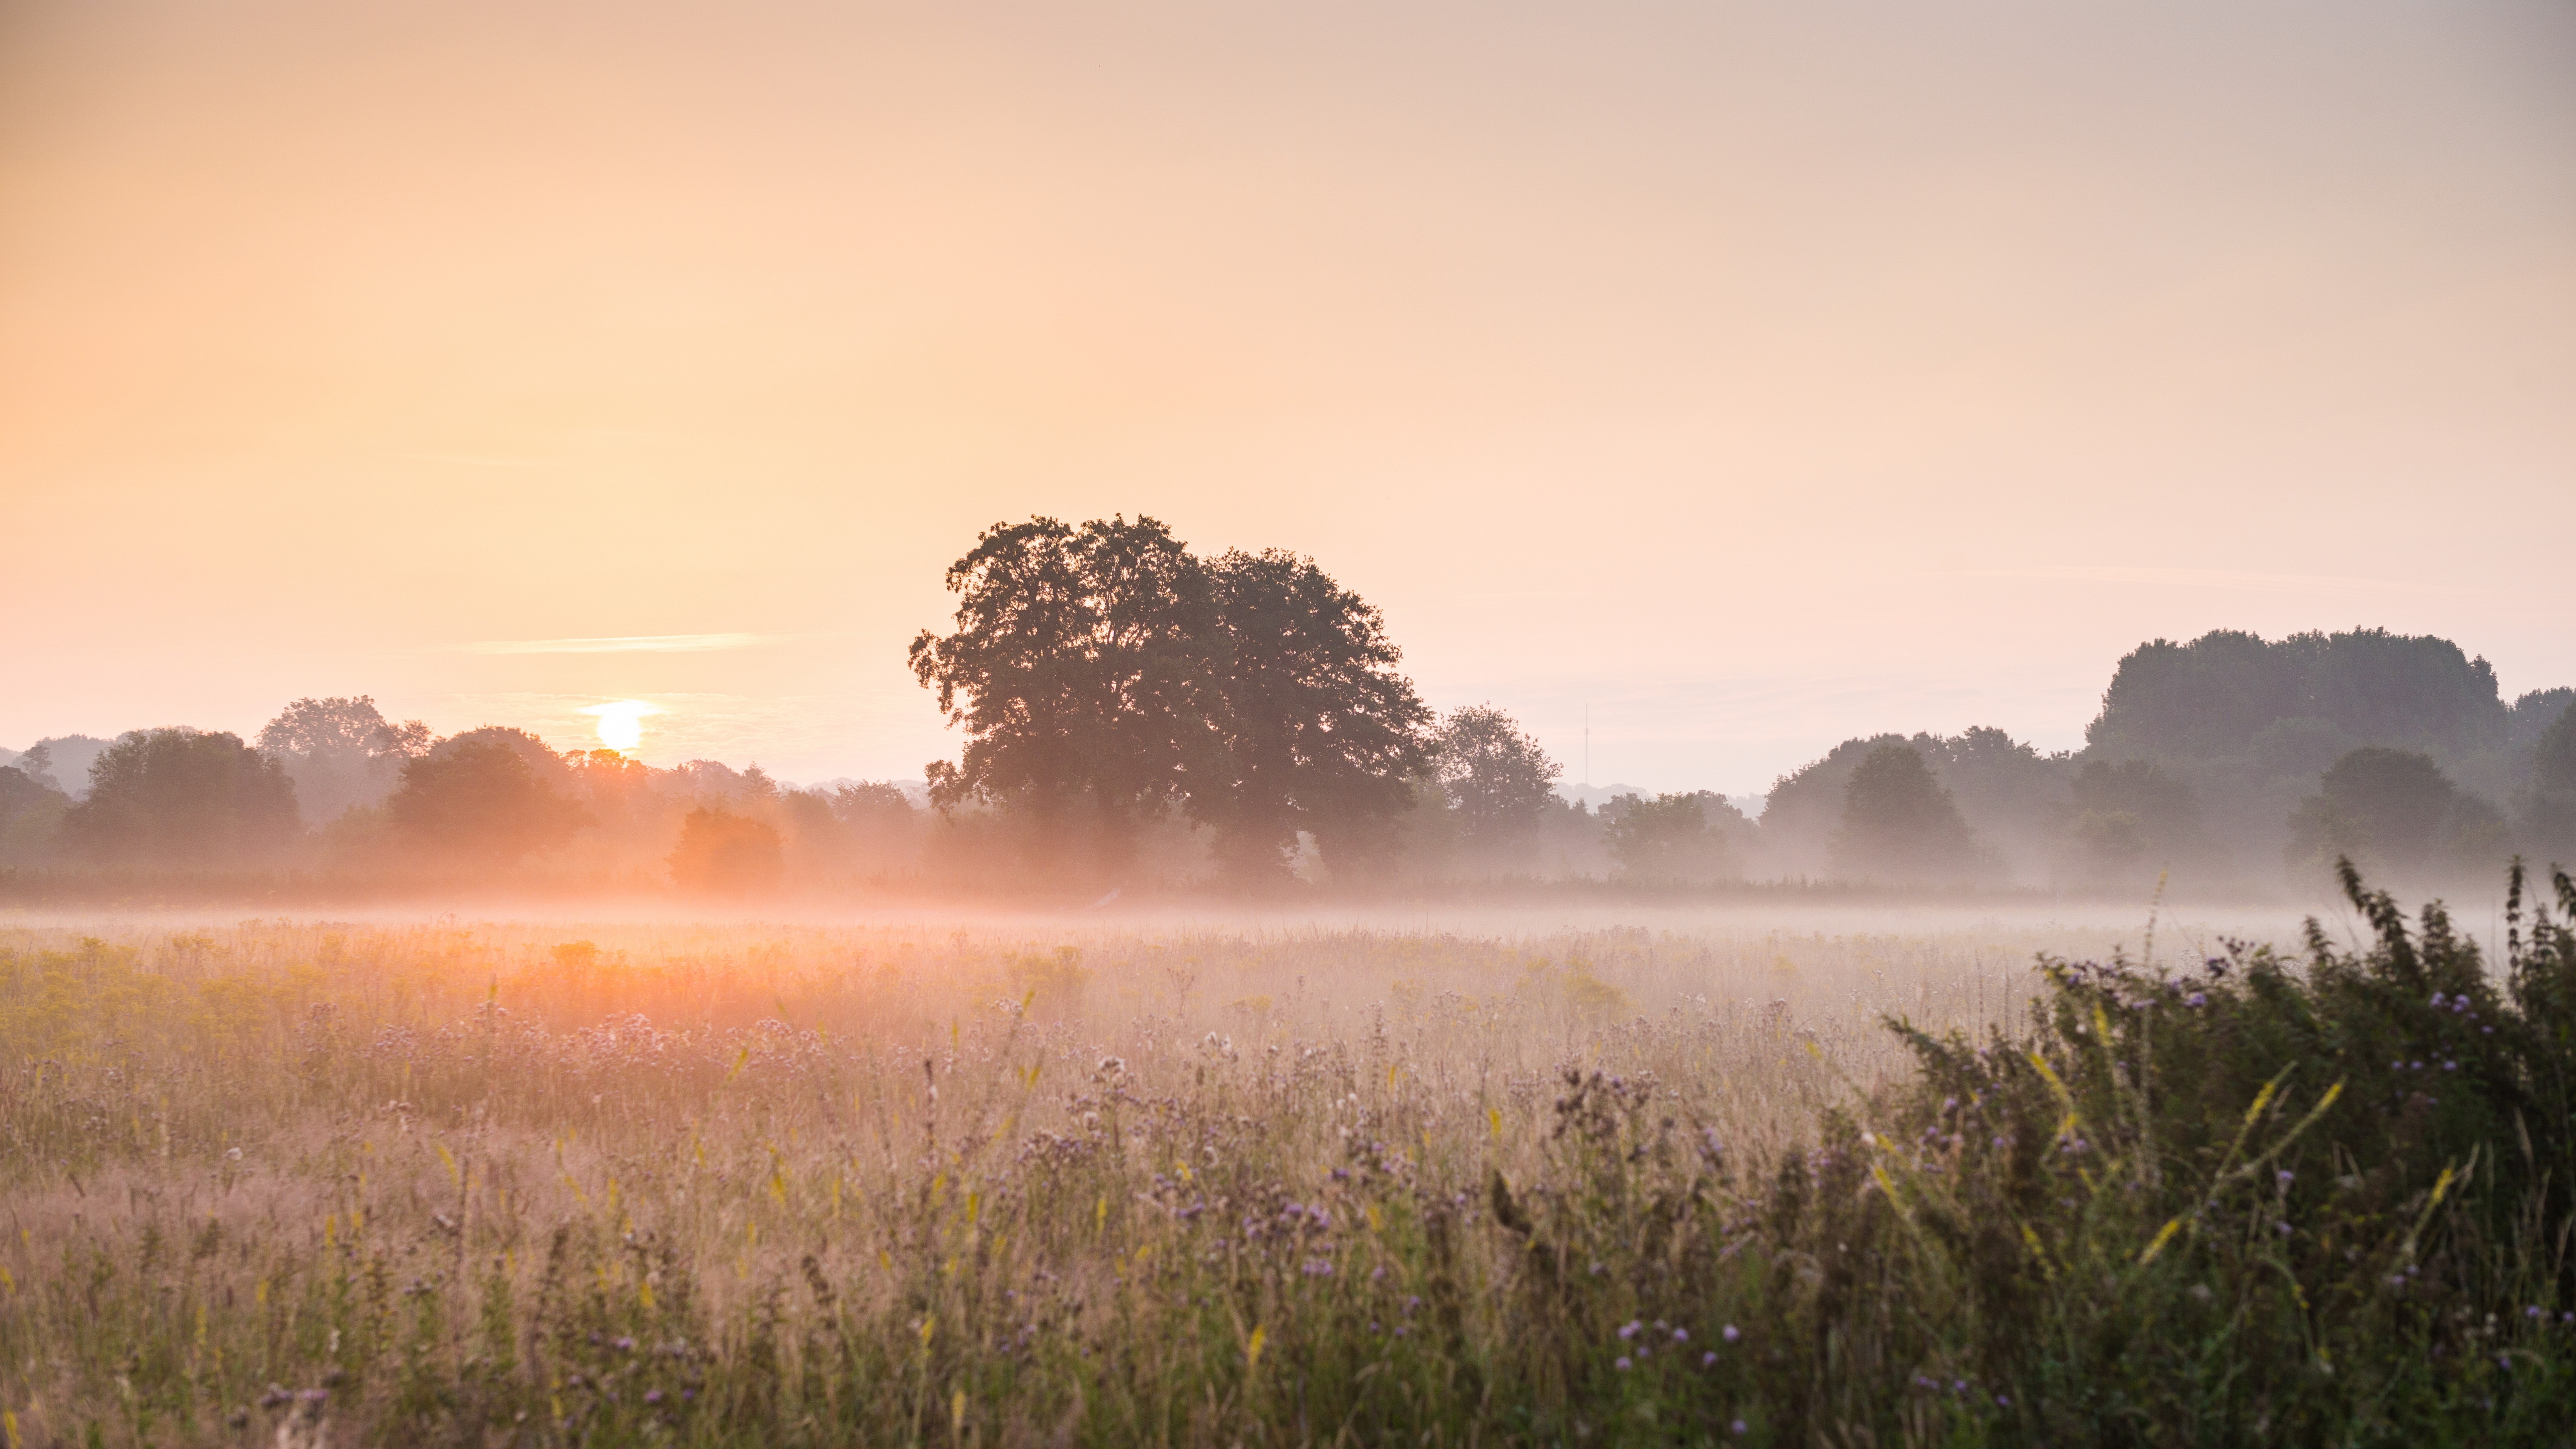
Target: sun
<point x="621" y="725"/>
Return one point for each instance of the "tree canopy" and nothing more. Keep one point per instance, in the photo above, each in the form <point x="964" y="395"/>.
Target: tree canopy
<point x="341" y="752"/>
<point x="2217" y="694"/>
<point x="1078" y="668"/>
<point x="721" y="853"/>
<point x="1498" y="779"/>
<point x="1104" y="675"/>
<point x="2393" y="811"/>
<point x="178" y="797"/>
<point x="1900" y="824"/>
<point x="1670" y="837"/>
<point x="478" y="798"/>
<point x="1320" y="733"/>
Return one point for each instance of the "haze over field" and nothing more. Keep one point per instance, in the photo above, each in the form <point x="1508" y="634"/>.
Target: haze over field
<point x="1754" y="379"/>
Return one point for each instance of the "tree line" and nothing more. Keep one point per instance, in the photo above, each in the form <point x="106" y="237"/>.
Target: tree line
<point x="1132" y="712"/>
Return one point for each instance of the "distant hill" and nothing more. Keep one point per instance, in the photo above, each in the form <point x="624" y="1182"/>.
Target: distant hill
<point x="1597" y="796"/>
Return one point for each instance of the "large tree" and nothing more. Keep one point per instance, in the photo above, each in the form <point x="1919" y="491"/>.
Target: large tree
<point x="179" y="797"/>
<point x="1079" y="670"/>
<point x="1320" y="732"/>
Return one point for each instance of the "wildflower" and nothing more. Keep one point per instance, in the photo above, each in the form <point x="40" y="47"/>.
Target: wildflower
<point x="1378" y="1274"/>
<point x="1730" y="1334"/>
<point x="2196" y="999"/>
<point x="2002" y="1402"/>
<point x="1708" y="1359"/>
<point x="1622" y="1365"/>
<point x="1738" y="1429"/>
<point x="2284" y="1176"/>
<point x="2437" y="998"/>
<point x="652" y="1396"/>
<point x="1629" y="1329"/>
<point x="1318" y="1268"/>
<point x="2534" y="1313"/>
<point x="2450" y="1066"/>
<point x="1681" y="1335"/>
<point x="2284" y="1228"/>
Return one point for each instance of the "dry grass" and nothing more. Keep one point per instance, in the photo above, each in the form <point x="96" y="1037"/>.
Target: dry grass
<point x="1037" y="1182"/>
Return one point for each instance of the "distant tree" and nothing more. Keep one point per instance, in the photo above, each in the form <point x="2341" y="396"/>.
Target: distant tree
<point x="63" y="761"/>
<point x="2550" y="817"/>
<point x="1319" y="732"/>
<point x="2536" y="711"/>
<point x="37" y="764"/>
<point x="2212" y="697"/>
<point x="341" y="752"/>
<point x="721" y="853"/>
<point x="1670" y="837"/>
<point x="874" y="805"/>
<point x="2010" y="793"/>
<point x="178" y="797"/>
<point x="31" y="810"/>
<point x="551" y="770"/>
<point x="479" y="797"/>
<point x="2553" y="761"/>
<point x="862" y="827"/>
<point x="1079" y="670"/>
<point x="1899" y="824"/>
<point x="2393" y="811"/>
<point x="2127" y="812"/>
<point x="1497" y="778"/>
<point x="1804" y="809"/>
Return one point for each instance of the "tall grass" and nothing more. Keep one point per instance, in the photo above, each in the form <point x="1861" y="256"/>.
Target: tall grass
<point x="432" y="1185"/>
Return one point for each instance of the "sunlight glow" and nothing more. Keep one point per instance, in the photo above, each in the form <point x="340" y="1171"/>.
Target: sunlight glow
<point x="621" y="725"/>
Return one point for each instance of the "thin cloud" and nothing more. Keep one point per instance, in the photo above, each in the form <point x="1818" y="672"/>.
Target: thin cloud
<point x="619" y="644"/>
<point x="2194" y="578"/>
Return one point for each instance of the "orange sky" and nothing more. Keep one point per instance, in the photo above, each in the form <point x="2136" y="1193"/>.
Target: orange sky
<point x="1758" y="375"/>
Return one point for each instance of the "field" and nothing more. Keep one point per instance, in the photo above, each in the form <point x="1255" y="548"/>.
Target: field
<point x="1227" y="1181"/>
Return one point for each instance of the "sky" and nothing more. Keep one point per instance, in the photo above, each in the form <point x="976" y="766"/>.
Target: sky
<point x="1739" y="377"/>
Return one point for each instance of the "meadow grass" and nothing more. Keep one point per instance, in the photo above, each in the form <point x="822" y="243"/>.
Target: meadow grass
<point x="519" y="1183"/>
